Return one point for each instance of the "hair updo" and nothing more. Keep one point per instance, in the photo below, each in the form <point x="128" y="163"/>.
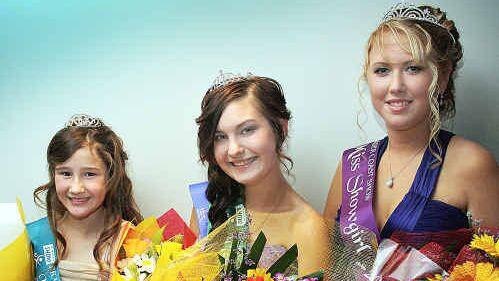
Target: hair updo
<point x="438" y="47"/>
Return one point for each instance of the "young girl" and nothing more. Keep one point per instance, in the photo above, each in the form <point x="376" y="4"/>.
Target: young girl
<point x="88" y="198"/>
<point x="419" y="178"/>
<point x="242" y="130"/>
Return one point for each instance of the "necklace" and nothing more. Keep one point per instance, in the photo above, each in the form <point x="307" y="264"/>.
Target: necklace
<point x="390" y="181"/>
<point x="274" y="207"/>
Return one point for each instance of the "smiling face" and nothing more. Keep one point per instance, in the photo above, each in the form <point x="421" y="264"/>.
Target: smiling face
<point x="245" y="144"/>
<point x="399" y="86"/>
<point x="80" y="183"/>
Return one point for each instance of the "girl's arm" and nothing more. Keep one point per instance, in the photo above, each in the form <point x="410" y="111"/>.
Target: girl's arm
<point x="475" y="171"/>
<point x="334" y="196"/>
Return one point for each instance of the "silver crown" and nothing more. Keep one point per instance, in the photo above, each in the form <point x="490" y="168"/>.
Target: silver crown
<point x="410" y="11"/>
<point x="84" y="120"/>
<point x="225" y="78"/>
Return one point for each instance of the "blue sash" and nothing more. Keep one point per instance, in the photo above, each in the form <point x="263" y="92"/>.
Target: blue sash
<point x="201" y="205"/>
<point x="44" y="250"/>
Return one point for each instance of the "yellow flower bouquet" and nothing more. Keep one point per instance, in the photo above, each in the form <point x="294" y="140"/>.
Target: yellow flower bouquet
<point x="152" y="251"/>
<point x="149" y="255"/>
<point x="478" y="261"/>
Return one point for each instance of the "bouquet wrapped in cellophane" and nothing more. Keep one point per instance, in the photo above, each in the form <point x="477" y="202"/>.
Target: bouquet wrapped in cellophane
<point x="464" y="254"/>
<point x="240" y="262"/>
<point x="150" y="254"/>
<point x="478" y="260"/>
<point x="457" y="255"/>
<point x="352" y="252"/>
<point x="160" y="249"/>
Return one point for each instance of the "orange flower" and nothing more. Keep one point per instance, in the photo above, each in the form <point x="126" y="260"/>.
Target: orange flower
<point x="469" y="271"/>
<point x="135" y="246"/>
<point x="147" y="229"/>
<point x="487" y="271"/>
<point x="258" y="274"/>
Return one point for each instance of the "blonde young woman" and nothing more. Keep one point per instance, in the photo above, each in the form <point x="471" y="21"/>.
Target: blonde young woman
<point x="420" y="177"/>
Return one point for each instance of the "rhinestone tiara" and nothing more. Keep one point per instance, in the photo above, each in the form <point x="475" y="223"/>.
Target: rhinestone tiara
<point x="410" y="11"/>
<point x="84" y="120"/>
<point x="225" y="78"/>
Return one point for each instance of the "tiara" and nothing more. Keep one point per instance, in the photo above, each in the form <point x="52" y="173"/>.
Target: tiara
<point x="225" y="78"/>
<point x="410" y="11"/>
<point x="84" y="120"/>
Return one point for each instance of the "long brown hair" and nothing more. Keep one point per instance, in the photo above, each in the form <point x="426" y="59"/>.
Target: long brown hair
<point x="223" y="191"/>
<point x="119" y="203"/>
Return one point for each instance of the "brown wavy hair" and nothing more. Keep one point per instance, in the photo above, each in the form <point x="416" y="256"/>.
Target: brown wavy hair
<point x="119" y="203"/>
<point x="223" y="192"/>
<point x="437" y="46"/>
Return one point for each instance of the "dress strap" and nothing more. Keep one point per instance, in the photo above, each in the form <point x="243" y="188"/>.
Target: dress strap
<point x="407" y="213"/>
<point x="428" y="172"/>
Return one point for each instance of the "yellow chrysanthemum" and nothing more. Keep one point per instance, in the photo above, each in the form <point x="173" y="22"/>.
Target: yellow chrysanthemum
<point x="487" y="271"/>
<point x="258" y="272"/>
<point x="469" y="271"/>
<point x="463" y="272"/>
<point x="486" y="243"/>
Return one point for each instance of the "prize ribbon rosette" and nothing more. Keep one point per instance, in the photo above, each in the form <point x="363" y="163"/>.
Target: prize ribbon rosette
<point x="15" y="249"/>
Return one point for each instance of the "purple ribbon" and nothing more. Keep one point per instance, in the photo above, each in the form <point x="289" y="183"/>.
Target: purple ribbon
<point x="358" y="179"/>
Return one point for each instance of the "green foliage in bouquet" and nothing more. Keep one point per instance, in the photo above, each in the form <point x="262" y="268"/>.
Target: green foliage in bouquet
<point x="245" y="268"/>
